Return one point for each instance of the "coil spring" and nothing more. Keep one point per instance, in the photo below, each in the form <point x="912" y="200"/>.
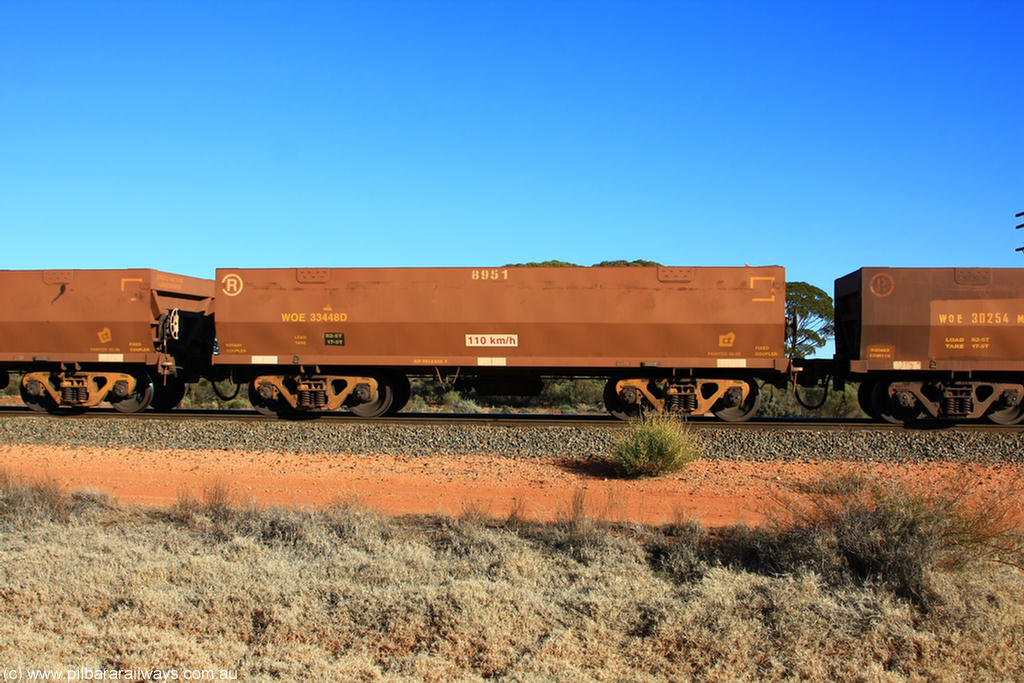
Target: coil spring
<point x="957" y="405"/>
<point x="74" y="394"/>
<point x="314" y="398"/>
<point x="685" y="403"/>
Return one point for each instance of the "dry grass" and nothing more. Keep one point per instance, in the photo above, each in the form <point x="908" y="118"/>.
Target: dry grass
<point x="346" y="594"/>
<point x="866" y="529"/>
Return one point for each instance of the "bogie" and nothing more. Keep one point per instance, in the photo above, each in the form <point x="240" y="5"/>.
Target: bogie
<point x="908" y="398"/>
<point x="728" y="399"/>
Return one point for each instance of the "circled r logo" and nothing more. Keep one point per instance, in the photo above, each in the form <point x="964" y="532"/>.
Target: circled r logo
<point x="882" y="284"/>
<point x="231" y="284"/>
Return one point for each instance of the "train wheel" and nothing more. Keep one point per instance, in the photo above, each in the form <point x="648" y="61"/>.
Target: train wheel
<point x="269" y="407"/>
<point x="1007" y="416"/>
<point x="864" y="398"/>
<point x="140" y="398"/>
<point x="744" y="411"/>
<point x="616" y="406"/>
<point x="379" y="404"/>
<point x="35" y="397"/>
<point x="887" y="409"/>
<point x="167" y="395"/>
<point x="402" y="392"/>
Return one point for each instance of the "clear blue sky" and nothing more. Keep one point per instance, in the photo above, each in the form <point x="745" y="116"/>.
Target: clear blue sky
<point x="822" y="136"/>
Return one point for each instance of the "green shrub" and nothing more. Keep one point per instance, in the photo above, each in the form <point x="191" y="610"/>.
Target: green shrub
<point x="456" y="403"/>
<point x="201" y="394"/>
<point x="588" y="393"/>
<point x="777" y="402"/>
<point x="655" y="445"/>
<point x="13" y="382"/>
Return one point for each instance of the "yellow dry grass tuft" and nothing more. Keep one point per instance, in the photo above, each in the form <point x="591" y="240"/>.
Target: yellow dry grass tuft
<point x="654" y="445"/>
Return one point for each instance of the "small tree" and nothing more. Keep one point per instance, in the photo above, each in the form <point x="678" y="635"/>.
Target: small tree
<point x="621" y="262"/>
<point x="543" y="264"/>
<point x="809" y="319"/>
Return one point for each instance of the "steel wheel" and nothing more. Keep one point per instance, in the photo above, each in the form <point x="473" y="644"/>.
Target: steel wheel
<point x="745" y="410"/>
<point x="864" y="398"/>
<point x="379" y="404"/>
<point x="886" y="408"/>
<point x="139" y="399"/>
<point x="402" y="392"/>
<point x="269" y="407"/>
<point x="40" y="400"/>
<point x="1007" y="416"/>
<point x="167" y="394"/>
<point x="615" y="405"/>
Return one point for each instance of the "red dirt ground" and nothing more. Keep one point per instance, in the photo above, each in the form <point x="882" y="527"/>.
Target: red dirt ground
<point x="712" y="492"/>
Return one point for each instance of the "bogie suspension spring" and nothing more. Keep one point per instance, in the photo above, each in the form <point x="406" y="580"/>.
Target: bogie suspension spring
<point x="957" y="401"/>
<point x="312" y="398"/>
<point x="74" y="394"/>
<point x="681" y="402"/>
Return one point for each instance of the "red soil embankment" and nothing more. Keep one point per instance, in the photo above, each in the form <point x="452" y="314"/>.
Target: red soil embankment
<point x="712" y="492"/>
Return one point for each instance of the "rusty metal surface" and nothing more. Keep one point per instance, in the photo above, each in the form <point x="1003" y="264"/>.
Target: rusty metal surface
<point x="906" y="319"/>
<point x="619" y="317"/>
<point x="90" y="316"/>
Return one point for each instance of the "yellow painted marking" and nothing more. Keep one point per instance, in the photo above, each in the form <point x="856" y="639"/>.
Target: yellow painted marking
<point x="232" y="284"/>
<point x="489" y="274"/>
<point x="771" y="285"/>
<point x="880" y="352"/>
<point x="313" y="317"/>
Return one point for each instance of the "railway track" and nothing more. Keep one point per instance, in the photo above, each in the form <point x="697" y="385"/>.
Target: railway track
<point x="518" y="420"/>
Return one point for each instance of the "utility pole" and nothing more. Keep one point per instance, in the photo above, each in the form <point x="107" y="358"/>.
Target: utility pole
<point x="1019" y="215"/>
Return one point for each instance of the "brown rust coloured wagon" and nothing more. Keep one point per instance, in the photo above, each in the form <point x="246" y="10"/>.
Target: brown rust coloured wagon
<point x="941" y="343"/>
<point x="80" y="337"/>
<point x="681" y="339"/>
<point x="933" y="342"/>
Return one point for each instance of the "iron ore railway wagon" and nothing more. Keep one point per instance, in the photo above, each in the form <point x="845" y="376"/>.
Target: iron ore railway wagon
<point x="689" y="340"/>
<point x="940" y="343"/>
<point x="132" y="338"/>
<point x="945" y="343"/>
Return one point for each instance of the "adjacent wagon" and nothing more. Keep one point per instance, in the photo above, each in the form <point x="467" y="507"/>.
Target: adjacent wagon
<point x="933" y="342"/>
<point x="130" y="337"/>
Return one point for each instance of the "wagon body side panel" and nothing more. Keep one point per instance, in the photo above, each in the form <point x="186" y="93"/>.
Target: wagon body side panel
<point x="527" y="317"/>
<point x="90" y="316"/>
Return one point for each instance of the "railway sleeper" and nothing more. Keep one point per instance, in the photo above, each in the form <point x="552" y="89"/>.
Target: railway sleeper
<point x="272" y="393"/>
<point x="50" y="391"/>
<point x="903" y="401"/>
